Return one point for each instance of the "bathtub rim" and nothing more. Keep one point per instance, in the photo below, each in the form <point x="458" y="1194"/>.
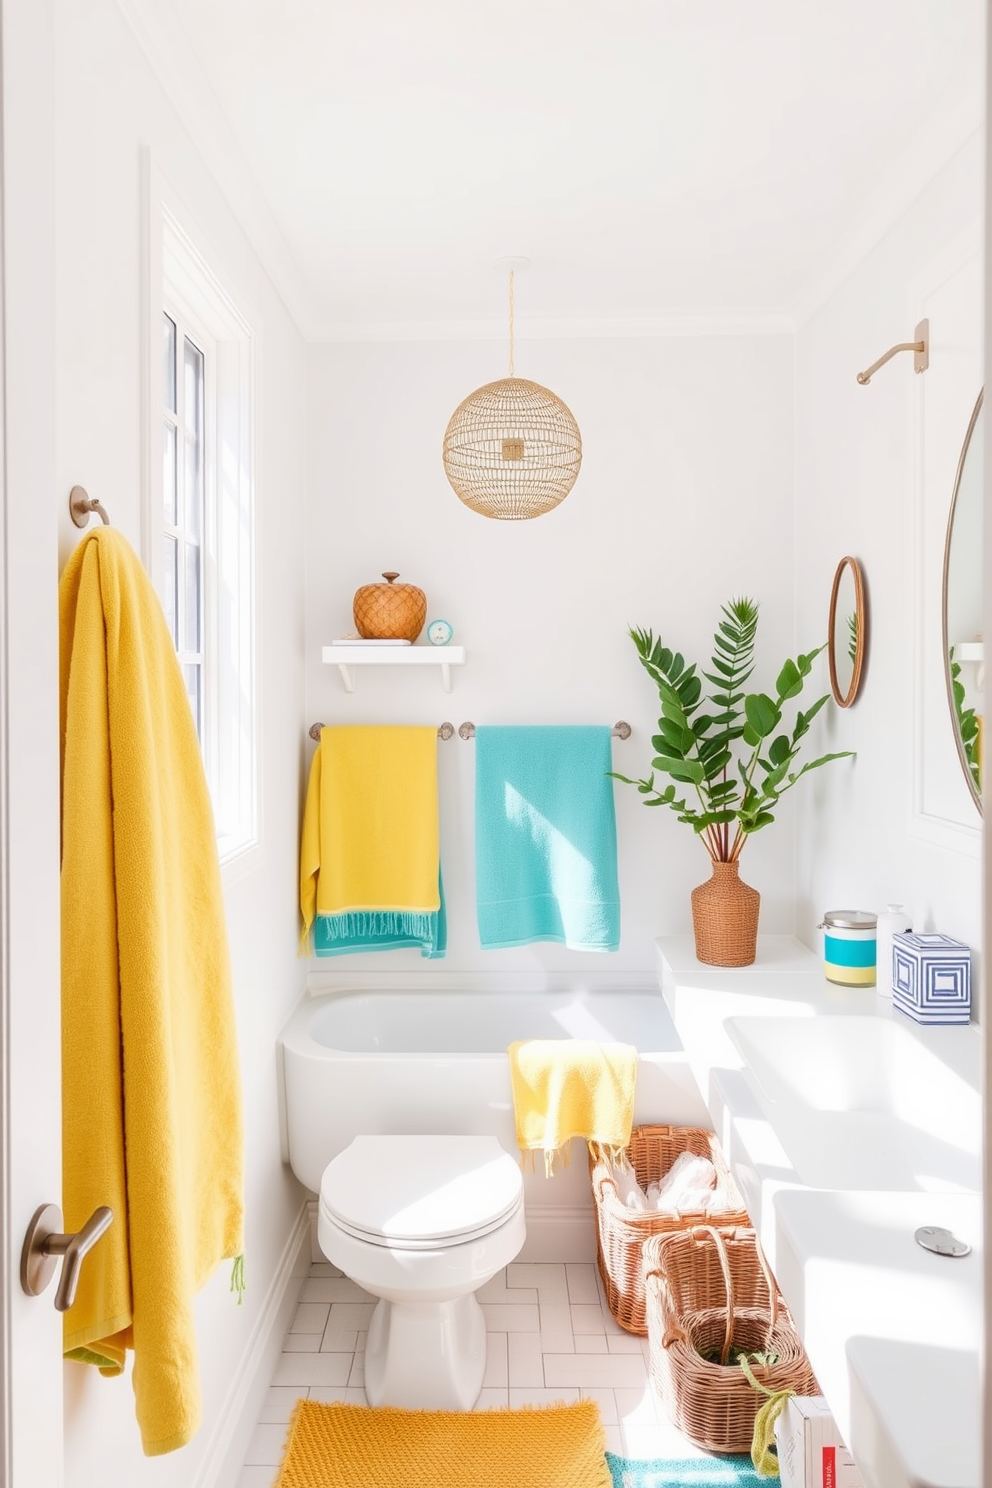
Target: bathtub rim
<point x="322" y="979"/>
<point x="295" y="1047"/>
<point x="295" y="1032"/>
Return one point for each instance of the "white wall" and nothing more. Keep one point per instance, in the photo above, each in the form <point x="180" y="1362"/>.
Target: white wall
<point x="110" y="106"/>
<point x="683" y="501"/>
<point x="875" y="472"/>
<point x="713" y="466"/>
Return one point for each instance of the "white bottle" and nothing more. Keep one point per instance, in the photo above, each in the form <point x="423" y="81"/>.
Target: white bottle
<point x="892" y="919"/>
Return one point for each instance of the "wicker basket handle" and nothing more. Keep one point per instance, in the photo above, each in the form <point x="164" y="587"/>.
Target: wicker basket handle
<point x="601" y="1174"/>
<point x="721" y="1251"/>
<point x="674" y="1333"/>
<point x="602" y="1177"/>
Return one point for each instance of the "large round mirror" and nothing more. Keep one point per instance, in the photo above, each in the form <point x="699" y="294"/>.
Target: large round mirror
<point x="847" y="631"/>
<point x="964" y="654"/>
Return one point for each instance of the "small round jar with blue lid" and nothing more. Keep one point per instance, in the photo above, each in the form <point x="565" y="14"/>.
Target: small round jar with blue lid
<point x="439" y="632"/>
<point x="849" y="947"/>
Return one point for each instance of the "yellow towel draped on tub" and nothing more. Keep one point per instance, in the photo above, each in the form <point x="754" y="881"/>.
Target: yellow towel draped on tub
<point x="151" y="1102"/>
<point x="565" y="1088"/>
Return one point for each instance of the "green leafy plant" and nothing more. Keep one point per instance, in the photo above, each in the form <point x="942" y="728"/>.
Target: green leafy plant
<point x="765" y="1358"/>
<point x="727" y="746"/>
<point x="969" y="724"/>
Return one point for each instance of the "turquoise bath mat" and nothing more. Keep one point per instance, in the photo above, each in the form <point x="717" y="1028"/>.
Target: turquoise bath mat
<point x="688" y="1472"/>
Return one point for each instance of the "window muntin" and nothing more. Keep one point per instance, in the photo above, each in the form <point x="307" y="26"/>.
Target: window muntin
<point x="184" y="502"/>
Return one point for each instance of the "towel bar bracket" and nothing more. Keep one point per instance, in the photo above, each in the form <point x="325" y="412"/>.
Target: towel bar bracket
<point x="44" y="1243"/>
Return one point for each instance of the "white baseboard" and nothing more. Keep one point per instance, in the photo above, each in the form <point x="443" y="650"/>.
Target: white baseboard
<point x="562" y="1234"/>
<point x="223" y="1460"/>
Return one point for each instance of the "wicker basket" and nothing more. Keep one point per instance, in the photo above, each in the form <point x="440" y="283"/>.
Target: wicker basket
<point x="622" y="1232"/>
<point x="707" y="1288"/>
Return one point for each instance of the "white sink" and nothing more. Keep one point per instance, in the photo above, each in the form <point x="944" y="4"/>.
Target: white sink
<point x="864" y="1103"/>
<point x="819" y="1091"/>
<point x="893" y="1332"/>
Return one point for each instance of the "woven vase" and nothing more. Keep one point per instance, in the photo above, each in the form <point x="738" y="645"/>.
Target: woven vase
<point x="725" y="918"/>
<point x="390" y="611"/>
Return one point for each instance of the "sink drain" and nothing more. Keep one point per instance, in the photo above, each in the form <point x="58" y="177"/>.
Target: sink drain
<point x="941" y="1242"/>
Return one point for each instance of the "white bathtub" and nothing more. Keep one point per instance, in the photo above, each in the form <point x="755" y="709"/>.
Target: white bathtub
<point x="382" y="1062"/>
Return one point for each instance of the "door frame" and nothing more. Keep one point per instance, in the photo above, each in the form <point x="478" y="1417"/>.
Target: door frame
<point x="31" y="1452"/>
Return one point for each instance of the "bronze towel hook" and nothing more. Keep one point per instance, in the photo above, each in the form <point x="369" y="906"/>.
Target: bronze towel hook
<point x="81" y="504"/>
<point x="920" y="349"/>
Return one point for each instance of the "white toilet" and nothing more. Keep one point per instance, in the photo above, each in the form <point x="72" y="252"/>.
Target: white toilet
<point x="422" y="1222"/>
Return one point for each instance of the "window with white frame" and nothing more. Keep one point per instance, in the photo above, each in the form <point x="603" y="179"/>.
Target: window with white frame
<point x="183" y="481"/>
<point x="205" y="561"/>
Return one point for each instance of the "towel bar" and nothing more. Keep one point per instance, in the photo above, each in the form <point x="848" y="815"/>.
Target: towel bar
<point x="621" y="730"/>
<point x="446" y="731"/>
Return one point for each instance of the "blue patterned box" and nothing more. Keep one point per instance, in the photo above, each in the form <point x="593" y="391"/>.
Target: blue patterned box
<point x="931" y="977"/>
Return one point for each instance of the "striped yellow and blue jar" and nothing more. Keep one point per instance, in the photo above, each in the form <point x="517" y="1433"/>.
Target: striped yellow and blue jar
<point x="849" y="947"/>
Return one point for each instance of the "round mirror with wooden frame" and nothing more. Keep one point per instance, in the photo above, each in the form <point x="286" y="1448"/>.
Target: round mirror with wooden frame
<point x="847" y="631"/>
<point x="963" y="643"/>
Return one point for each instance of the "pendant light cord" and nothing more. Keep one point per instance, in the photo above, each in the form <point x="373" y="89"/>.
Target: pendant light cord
<point x="511" y="322"/>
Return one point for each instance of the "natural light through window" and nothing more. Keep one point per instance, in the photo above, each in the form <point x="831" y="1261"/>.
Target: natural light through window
<point x="205" y="566"/>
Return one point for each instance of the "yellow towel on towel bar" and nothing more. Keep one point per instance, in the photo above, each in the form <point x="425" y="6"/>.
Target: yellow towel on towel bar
<point x="565" y="1088"/>
<point x="149" y="1048"/>
<point x="370" y="827"/>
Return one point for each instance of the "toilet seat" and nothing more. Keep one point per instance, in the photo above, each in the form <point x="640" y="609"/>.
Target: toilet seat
<point x="404" y="1242"/>
<point x="421" y="1192"/>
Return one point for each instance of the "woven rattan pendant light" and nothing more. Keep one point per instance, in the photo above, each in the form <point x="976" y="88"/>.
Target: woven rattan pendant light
<point x="512" y="449"/>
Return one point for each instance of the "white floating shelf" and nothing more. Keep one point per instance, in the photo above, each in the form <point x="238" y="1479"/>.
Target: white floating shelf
<point x="346" y="658"/>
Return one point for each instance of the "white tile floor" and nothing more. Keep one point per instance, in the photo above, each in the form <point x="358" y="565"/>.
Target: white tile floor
<point x="550" y="1337"/>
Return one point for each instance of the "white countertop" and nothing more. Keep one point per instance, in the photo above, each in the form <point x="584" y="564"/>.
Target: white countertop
<point x="891" y="1330"/>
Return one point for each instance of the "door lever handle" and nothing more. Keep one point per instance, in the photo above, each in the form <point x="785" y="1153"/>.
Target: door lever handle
<point x="44" y="1243"/>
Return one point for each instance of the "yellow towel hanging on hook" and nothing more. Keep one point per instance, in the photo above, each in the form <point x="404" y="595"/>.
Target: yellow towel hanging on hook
<point x="149" y="1046"/>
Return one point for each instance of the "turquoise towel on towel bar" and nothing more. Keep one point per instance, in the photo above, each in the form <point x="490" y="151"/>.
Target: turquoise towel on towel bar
<point x="546" y="837"/>
<point x="382" y="930"/>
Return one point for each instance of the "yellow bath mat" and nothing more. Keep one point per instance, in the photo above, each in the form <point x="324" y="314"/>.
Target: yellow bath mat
<point x="354" y="1446"/>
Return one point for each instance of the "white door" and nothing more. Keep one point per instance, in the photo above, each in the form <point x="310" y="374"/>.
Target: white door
<point x="30" y="1118"/>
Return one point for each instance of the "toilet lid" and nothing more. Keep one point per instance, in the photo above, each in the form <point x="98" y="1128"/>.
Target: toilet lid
<point x="418" y="1191"/>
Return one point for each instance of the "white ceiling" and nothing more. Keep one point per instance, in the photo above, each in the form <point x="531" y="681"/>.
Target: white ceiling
<point x="655" y="159"/>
